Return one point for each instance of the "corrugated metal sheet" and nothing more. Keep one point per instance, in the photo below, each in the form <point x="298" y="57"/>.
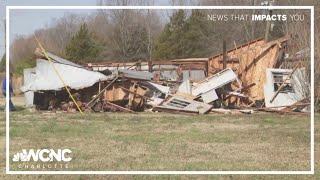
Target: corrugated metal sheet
<point x="194" y="75"/>
<point x="143" y="75"/>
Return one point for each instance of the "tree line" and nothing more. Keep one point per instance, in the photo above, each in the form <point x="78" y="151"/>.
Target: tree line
<point x="132" y="35"/>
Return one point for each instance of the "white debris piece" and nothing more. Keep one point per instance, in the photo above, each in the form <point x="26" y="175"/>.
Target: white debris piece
<point x="163" y="89"/>
<point x="293" y="90"/>
<point x="185" y="87"/>
<point x="209" y="96"/>
<point x="179" y="103"/>
<point x="46" y="78"/>
<point x="215" y="81"/>
<point x="29" y="76"/>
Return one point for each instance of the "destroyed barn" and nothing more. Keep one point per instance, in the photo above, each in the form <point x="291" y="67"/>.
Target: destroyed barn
<point x="248" y="78"/>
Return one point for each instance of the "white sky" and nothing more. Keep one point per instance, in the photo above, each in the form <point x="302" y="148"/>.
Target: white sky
<point x="25" y="22"/>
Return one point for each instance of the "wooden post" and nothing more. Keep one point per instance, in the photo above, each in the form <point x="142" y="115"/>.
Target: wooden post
<point x="252" y="22"/>
<point x="132" y="95"/>
<point x="150" y="66"/>
<point x="267" y="32"/>
<point x="224" y="57"/>
<point x="207" y="68"/>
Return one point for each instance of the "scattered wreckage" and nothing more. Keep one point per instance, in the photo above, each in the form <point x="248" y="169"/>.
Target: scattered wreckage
<point x="245" y="79"/>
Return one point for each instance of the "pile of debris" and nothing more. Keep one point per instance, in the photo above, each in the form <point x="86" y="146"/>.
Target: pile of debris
<point x="247" y="78"/>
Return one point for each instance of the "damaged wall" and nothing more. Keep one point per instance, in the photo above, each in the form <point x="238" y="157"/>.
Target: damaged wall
<point x="250" y="62"/>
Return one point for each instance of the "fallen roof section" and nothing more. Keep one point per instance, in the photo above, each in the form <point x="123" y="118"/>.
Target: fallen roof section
<point x="141" y="75"/>
<point x="46" y="78"/>
<point x="56" y="59"/>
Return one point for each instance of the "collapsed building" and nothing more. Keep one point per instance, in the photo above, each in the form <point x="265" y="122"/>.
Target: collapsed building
<point x="246" y="77"/>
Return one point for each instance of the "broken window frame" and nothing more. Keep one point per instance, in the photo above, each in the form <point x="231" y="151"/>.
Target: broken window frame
<point x="282" y="77"/>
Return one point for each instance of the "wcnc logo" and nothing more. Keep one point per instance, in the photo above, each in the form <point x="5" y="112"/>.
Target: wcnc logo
<point x="43" y="155"/>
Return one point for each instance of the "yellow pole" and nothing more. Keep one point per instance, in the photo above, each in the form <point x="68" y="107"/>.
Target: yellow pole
<point x="60" y="77"/>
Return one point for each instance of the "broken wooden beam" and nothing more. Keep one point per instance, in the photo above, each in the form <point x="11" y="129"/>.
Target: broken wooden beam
<point x="281" y="111"/>
<point x="101" y="92"/>
<point x="224" y="56"/>
<point x="119" y="107"/>
<point x="135" y="93"/>
<point x="169" y="110"/>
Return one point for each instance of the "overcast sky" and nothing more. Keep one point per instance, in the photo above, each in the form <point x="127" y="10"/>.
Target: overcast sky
<point x="25" y="22"/>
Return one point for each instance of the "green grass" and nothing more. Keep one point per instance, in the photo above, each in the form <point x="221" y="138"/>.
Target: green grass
<point x="160" y="141"/>
<point x="117" y="141"/>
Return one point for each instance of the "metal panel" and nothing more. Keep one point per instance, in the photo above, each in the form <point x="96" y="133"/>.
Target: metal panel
<point x="76" y="78"/>
<point x="185" y="87"/>
<point x="60" y="60"/>
<point x="215" y="81"/>
<point x="163" y="89"/>
<point x="209" y="96"/>
<point x="143" y="75"/>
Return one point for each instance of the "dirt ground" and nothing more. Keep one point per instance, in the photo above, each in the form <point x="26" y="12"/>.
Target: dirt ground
<point x="160" y="141"/>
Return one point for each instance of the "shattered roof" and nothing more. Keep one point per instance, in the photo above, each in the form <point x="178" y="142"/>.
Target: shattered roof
<point x="56" y="59"/>
<point x="60" y="60"/>
<point x="44" y="76"/>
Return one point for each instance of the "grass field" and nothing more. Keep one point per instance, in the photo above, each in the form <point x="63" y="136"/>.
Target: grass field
<point x="159" y="141"/>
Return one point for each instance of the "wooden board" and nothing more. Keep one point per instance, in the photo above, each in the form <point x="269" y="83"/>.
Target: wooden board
<point x="254" y="59"/>
<point x="116" y="93"/>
